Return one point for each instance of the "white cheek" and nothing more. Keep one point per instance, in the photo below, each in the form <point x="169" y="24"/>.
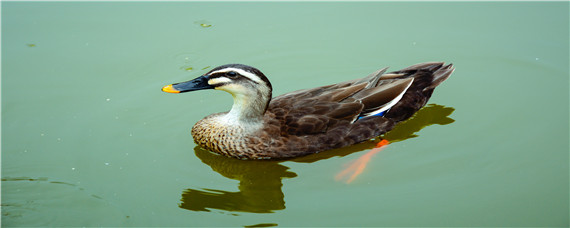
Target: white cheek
<point x="219" y="80"/>
<point x="234" y="89"/>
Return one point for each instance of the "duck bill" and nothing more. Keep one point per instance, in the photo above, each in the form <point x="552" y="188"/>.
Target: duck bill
<point x="198" y="83"/>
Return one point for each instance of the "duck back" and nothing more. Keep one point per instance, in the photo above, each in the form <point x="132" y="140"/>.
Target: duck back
<point x="333" y="116"/>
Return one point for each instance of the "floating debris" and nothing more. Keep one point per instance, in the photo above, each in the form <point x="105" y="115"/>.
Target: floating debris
<point x="30" y="45"/>
<point x="187" y="68"/>
<point x="24" y="179"/>
<point x="263" y="225"/>
<point x="203" y="23"/>
<point x="205" y="67"/>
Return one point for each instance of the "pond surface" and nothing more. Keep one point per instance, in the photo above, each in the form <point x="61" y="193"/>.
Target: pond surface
<point x="88" y="138"/>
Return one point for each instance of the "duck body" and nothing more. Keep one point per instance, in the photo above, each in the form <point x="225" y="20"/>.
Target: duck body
<point x="311" y="120"/>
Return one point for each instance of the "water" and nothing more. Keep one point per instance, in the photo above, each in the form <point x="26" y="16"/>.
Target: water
<point x="88" y="138"/>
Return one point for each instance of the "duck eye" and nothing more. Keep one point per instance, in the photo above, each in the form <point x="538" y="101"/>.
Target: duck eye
<point x="231" y="74"/>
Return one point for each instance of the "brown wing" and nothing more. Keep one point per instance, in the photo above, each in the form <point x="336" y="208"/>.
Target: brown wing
<point x="313" y="111"/>
<point x="343" y="114"/>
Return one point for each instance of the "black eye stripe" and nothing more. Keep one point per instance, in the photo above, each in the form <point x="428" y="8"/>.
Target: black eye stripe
<point x="220" y="74"/>
<point x="231" y="74"/>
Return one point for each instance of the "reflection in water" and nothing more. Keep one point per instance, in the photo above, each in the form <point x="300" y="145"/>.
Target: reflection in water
<point x="429" y="115"/>
<point x="259" y="186"/>
<point x="358" y="166"/>
<point x="260" y="181"/>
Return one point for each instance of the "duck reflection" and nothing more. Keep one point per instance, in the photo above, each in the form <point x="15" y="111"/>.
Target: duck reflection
<point x="260" y="181"/>
<point x="259" y="185"/>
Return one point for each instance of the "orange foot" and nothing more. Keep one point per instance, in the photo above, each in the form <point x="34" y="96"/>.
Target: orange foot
<point x="359" y="165"/>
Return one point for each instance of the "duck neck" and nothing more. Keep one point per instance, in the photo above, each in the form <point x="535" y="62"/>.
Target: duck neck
<point x="248" y="108"/>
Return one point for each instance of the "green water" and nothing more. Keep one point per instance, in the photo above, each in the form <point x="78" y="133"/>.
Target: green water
<point x="88" y="138"/>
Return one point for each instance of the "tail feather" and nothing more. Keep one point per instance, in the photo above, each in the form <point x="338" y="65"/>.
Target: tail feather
<point x="441" y="75"/>
<point x="385" y="90"/>
<point x="427" y="76"/>
<point x="430" y="66"/>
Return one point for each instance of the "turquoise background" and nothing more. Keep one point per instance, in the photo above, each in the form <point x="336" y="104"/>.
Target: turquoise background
<point x="88" y="138"/>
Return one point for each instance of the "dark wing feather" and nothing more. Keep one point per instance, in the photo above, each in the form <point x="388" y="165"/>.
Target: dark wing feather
<point x="314" y="111"/>
<point x="382" y="95"/>
<point x="426" y="77"/>
<point x="328" y="114"/>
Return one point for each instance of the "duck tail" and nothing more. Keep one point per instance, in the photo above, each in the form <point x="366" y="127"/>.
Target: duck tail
<point x="441" y="75"/>
<point x="439" y="72"/>
<point x="426" y="76"/>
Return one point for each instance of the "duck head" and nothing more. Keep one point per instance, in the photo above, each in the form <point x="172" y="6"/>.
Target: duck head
<point x="249" y="87"/>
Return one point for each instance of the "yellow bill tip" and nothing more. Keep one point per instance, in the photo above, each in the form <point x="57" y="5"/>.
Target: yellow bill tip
<point x="169" y="89"/>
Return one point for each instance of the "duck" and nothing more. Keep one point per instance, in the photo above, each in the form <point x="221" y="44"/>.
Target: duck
<point x="307" y="121"/>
